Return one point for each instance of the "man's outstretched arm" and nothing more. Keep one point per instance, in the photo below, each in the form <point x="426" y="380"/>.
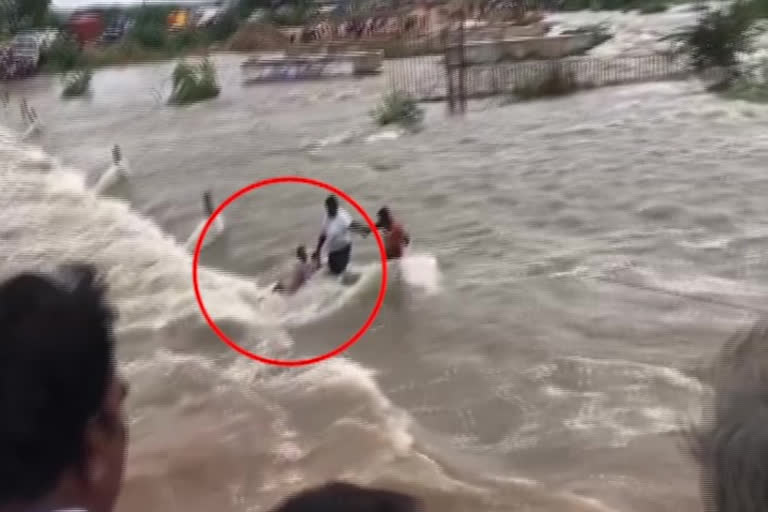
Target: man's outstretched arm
<point x="359" y="228"/>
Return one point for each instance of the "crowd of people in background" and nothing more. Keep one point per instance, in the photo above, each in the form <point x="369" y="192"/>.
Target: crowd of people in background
<point x="64" y="434"/>
<point x="389" y="26"/>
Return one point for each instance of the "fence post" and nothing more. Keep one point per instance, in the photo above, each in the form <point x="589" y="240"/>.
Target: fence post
<point x="462" y="65"/>
<point x="450" y="96"/>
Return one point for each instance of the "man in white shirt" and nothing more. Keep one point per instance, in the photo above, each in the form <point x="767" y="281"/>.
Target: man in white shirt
<point x="336" y="232"/>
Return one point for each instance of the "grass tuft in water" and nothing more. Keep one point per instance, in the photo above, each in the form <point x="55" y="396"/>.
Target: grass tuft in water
<point x="398" y="108"/>
<point x="194" y="82"/>
<point x="77" y="83"/>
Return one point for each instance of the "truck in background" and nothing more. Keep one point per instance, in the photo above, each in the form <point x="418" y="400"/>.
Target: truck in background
<point x="87" y="27"/>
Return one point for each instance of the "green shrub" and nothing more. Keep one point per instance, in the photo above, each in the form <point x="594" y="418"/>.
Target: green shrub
<point x="224" y="27"/>
<point x="77" y="83"/>
<point x="63" y="55"/>
<point x="194" y="82"/>
<point x="149" y="14"/>
<point x="124" y="52"/>
<point x="644" y="6"/>
<point x="244" y="8"/>
<point x="152" y="35"/>
<point x="747" y="91"/>
<point x="719" y="36"/>
<point x="186" y="39"/>
<point x="751" y="83"/>
<point x="652" y="7"/>
<point x="556" y="80"/>
<point x="299" y="14"/>
<point x="53" y="20"/>
<point x="398" y="108"/>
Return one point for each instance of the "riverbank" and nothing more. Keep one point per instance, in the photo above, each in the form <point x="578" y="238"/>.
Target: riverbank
<point x="640" y="6"/>
<point x="131" y="53"/>
<point x="255" y="37"/>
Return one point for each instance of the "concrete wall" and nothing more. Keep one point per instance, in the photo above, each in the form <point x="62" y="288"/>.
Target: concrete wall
<point x="331" y="47"/>
<point x="367" y="63"/>
<point x="363" y="63"/>
<point x="505" y="31"/>
<point x="484" y="52"/>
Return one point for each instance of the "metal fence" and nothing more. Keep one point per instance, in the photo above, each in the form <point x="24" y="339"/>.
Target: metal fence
<point x="426" y="78"/>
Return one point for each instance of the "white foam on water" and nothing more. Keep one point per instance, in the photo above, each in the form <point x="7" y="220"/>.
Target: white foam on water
<point x="420" y="271"/>
<point x="616" y="400"/>
<point x="633" y="33"/>
<point x="385" y="135"/>
<point x="322" y="296"/>
<point x="344" y="137"/>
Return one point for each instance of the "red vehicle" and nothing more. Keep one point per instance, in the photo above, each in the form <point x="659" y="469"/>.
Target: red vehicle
<point x="87" y="27"/>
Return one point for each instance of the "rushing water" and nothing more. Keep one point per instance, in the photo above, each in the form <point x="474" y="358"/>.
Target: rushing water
<point x="593" y="251"/>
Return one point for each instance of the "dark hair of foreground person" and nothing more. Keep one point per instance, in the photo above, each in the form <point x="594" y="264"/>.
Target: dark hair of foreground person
<point x="62" y="432"/>
<point x="343" y="497"/>
<point x="731" y="444"/>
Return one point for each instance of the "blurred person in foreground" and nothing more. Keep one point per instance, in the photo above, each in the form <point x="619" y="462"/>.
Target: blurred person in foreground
<point x="63" y="435"/>
<point x="344" y="497"/>
<point x="731" y="443"/>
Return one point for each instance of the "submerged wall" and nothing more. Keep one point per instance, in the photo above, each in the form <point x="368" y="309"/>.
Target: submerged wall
<point x="523" y="48"/>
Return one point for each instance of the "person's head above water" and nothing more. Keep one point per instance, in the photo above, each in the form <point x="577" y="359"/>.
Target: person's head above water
<point x="331" y="205"/>
<point x="301" y="253"/>
<point x="63" y="436"/>
<point x="385" y="217"/>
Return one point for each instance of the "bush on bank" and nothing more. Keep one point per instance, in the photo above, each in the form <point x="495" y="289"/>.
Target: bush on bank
<point x="148" y="39"/>
<point x="653" y="7"/>
<point x="720" y="47"/>
<point x="644" y="6"/>
<point x="719" y="37"/>
<point x="63" y="55"/>
<point x="751" y="84"/>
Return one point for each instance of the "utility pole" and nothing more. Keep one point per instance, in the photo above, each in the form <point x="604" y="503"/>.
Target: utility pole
<point x="462" y="65"/>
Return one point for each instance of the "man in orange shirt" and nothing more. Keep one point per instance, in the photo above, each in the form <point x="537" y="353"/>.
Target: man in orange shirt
<point x="395" y="236"/>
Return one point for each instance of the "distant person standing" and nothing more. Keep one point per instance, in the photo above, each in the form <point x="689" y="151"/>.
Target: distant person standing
<point x="336" y="233"/>
<point x="63" y="435"/>
<point x="396" y="239"/>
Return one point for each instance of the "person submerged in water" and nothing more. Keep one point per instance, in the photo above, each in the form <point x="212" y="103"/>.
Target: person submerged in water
<point x="336" y="230"/>
<point x="396" y="239"/>
<point x="302" y="271"/>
